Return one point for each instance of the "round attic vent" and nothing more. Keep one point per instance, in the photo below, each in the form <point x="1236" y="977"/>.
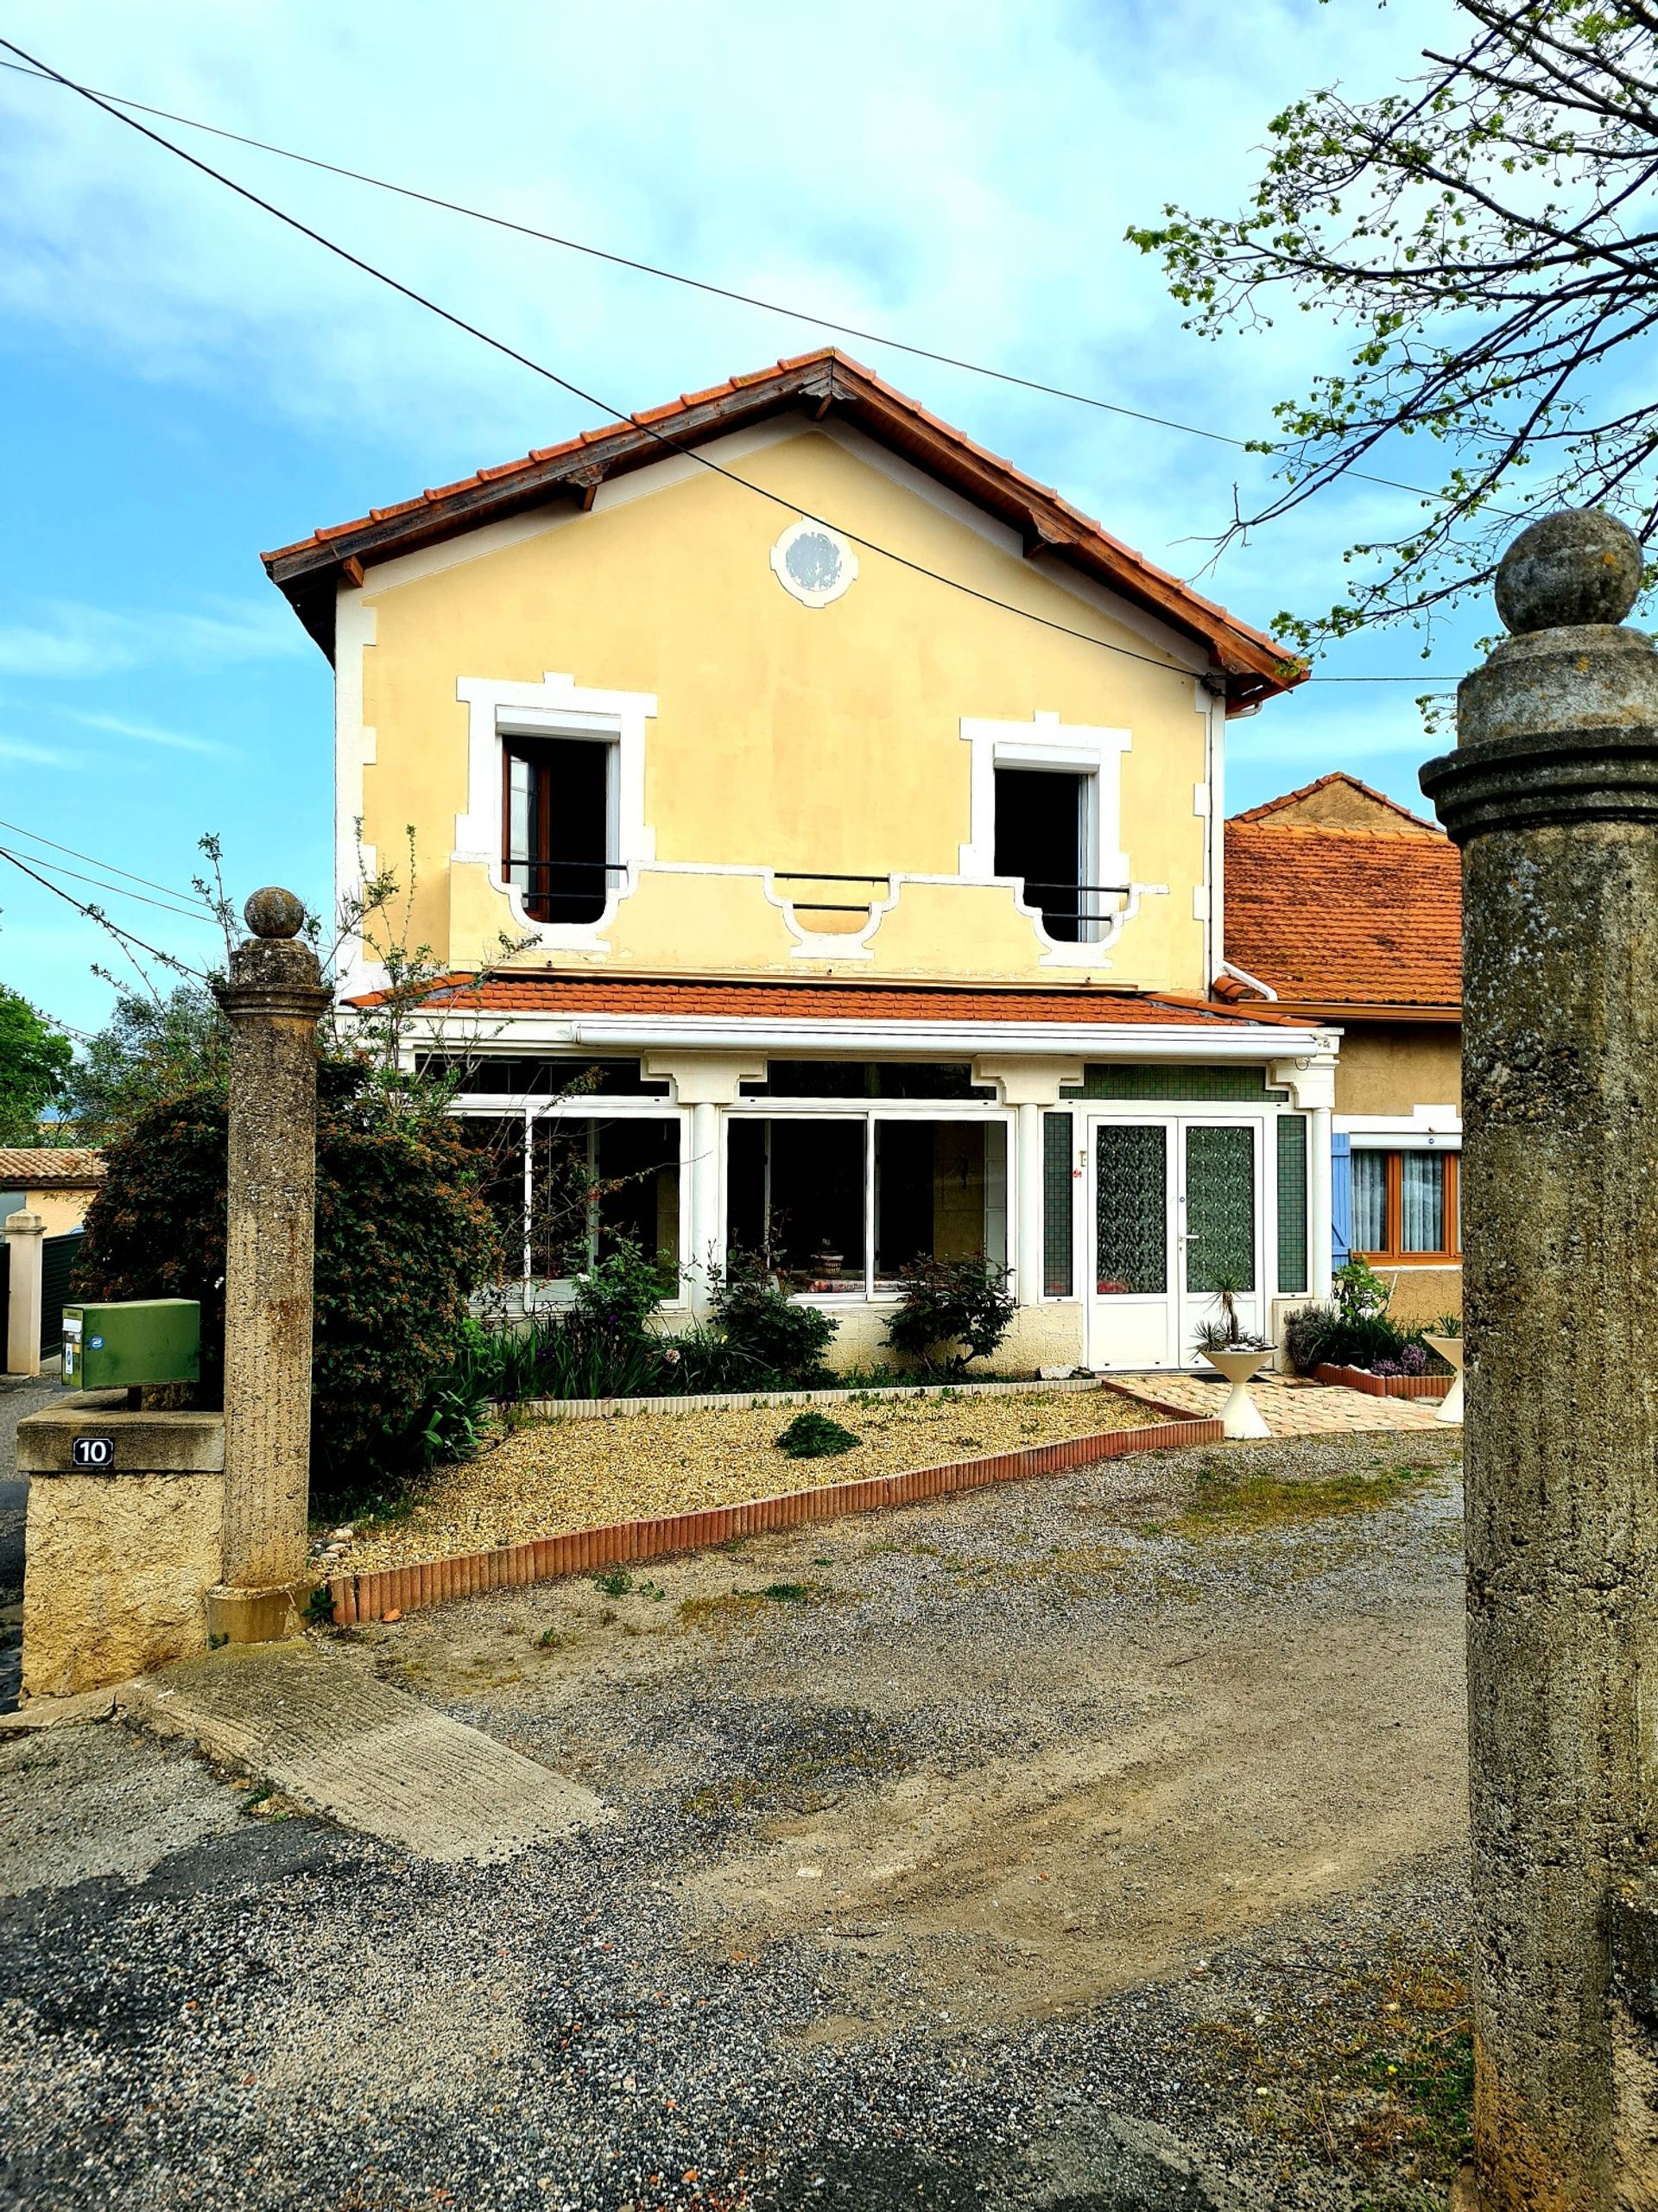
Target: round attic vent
<point x="813" y="564"/>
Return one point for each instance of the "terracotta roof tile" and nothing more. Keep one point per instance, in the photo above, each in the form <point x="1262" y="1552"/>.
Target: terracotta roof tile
<point x="1252" y="648"/>
<point x="1330" y="918"/>
<point x="71" y="1167"/>
<point x="667" y="996"/>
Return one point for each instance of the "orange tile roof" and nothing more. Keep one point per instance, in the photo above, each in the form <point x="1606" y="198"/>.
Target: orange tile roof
<point x="1333" y="917"/>
<point x="50" y="1167"/>
<point x="666" y="996"/>
<point x="309" y="570"/>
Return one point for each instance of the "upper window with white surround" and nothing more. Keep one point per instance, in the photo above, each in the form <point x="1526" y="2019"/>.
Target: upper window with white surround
<point x="559" y="815"/>
<point x="813" y="563"/>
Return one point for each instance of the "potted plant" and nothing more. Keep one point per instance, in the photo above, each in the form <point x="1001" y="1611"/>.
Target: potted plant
<point x="1446" y="1337"/>
<point x="1235" y="1352"/>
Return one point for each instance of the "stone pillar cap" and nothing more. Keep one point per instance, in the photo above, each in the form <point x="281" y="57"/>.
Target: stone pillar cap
<point x="22" y="1223"/>
<point x="1580" y="566"/>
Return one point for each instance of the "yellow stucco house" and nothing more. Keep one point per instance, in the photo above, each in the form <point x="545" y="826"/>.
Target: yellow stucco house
<point x="840" y="813"/>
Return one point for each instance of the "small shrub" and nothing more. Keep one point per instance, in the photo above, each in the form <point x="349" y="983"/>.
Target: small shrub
<point x="1310" y="1337"/>
<point x="760" y="1324"/>
<point x="953" y="1311"/>
<point x="814" y="1436"/>
<point x="1413" y="1360"/>
<point x="621" y="1291"/>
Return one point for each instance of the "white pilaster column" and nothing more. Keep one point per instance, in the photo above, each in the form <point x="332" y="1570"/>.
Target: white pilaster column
<point x="705" y="1083"/>
<point x="1312" y="1086"/>
<point x="26" y="1244"/>
<point x="1319" y="1228"/>
<point x="1030" y="1086"/>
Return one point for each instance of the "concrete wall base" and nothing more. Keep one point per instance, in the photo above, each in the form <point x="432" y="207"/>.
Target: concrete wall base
<point x="268" y="1616"/>
<point x="119" y="1560"/>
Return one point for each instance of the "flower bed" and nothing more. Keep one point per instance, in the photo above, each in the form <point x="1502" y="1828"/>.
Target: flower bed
<point x="1373" y="1385"/>
<point x="363" y="1588"/>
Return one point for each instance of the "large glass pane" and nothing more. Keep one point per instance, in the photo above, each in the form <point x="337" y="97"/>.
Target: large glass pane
<point x="598" y="1183"/>
<point x="1131" y="1200"/>
<point x="794" y="1199"/>
<point x="1369" y="1201"/>
<point x="1423" y="1201"/>
<point x="497" y="1144"/>
<point x="1219" y="1208"/>
<point x="940" y="1192"/>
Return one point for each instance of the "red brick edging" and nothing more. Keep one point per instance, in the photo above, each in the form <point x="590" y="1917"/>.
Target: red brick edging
<point x="513" y="1566"/>
<point x="1361" y="1379"/>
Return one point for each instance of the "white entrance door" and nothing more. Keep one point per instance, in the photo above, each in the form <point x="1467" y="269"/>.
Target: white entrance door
<point x="1176" y="1214"/>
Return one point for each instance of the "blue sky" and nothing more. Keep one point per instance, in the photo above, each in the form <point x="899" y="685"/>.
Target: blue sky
<point x="182" y="383"/>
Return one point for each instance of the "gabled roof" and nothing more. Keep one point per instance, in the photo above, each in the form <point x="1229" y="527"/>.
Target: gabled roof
<point x="666" y="996"/>
<point x="817" y="384"/>
<point x="1335" y="918"/>
<point x="1339" y="801"/>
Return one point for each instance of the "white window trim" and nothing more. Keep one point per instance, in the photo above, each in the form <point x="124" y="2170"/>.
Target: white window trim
<point x="1045" y="742"/>
<point x="971" y="1110"/>
<point x="556" y="707"/>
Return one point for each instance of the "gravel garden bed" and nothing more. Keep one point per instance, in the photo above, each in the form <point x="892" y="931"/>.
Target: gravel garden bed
<point x="547" y="1477"/>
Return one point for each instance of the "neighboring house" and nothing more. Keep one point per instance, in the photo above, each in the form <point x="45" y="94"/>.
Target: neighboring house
<point x="884" y="918"/>
<point x="58" y="1184"/>
<point x="1347" y="908"/>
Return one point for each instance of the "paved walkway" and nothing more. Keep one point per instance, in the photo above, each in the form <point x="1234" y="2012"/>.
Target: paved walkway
<point x="1292" y="1408"/>
<point x="334" y="1738"/>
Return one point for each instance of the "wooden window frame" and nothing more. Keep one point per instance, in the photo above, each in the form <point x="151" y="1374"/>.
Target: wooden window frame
<point x="1394" y="1254"/>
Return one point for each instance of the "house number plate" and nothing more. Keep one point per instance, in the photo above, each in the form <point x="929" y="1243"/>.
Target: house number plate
<point x="93" y="1451"/>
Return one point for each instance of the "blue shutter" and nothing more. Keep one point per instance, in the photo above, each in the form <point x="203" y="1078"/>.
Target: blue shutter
<point x="1341" y="1200"/>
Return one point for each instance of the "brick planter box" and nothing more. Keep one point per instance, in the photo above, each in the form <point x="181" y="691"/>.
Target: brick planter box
<point x="543" y="1559"/>
<point x="1361" y="1379"/>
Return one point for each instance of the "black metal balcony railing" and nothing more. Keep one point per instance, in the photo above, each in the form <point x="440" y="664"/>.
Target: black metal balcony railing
<point x="546" y="900"/>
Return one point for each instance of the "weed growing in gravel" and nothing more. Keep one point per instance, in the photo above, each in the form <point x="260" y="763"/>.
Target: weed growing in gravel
<point x="735" y="1605"/>
<point x="814" y="1436"/>
<point x="614" y="1582"/>
<point x="1234" y="1495"/>
<point x="1371" y="2074"/>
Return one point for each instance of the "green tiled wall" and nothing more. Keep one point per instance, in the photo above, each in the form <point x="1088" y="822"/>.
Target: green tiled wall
<point x="1059" y="1279"/>
<point x="1292" y="1201"/>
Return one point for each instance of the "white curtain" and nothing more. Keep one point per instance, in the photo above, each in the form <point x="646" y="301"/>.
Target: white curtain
<point x="1369" y="1201"/>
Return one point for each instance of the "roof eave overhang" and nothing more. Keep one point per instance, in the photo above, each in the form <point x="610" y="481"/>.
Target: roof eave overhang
<point x="1365" y="1010"/>
<point x="1240" y="1040"/>
<point x="310" y="576"/>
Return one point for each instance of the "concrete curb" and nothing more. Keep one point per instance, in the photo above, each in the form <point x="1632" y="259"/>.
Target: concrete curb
<point x="612" y="1408"/>
<point x="544" y="1559"/>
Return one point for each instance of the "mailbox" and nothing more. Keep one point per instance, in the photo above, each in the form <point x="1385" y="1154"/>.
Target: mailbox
<point x="143" y="1341"/>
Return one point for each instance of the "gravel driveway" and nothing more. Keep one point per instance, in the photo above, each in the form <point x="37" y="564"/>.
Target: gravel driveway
<point x="1093" y="1844"/>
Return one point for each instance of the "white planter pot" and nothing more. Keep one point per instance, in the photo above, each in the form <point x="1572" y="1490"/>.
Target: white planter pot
<point x="1450" y="1348"/>
<point x="1240" y="1416"/>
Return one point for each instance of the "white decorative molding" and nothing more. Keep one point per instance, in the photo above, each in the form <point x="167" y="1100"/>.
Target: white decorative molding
<point x="827" y="556"/>
<point x="556" y="707"/>
<point x="1310" y="1078"/>
<point x="1045" y="742"/>
<point x="1425" y="1129"/>
<point x="354" y="751"/>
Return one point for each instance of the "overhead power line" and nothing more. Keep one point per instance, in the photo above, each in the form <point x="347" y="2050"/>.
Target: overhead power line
<point x="107" y="866"/>
<point x="114" y="891"/>
<point x="108" y="106"/>
<point x="97" y="914"/>
<point x="700" y="283"/>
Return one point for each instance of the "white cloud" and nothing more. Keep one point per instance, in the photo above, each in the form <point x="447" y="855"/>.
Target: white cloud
<point x="149" y="733"/>
<point x="68" y="639"/>
<point x="41" y="756"/>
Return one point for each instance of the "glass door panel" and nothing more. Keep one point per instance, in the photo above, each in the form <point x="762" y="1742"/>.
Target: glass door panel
<point x="1219" y="1209"/>
<point x="1131" y="1201"/>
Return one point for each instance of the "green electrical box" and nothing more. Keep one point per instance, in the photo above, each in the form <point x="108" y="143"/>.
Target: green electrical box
<point x="144" y="1340"/>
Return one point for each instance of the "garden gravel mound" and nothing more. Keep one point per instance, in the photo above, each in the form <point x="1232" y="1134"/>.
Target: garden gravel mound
<point x="554" y="1475"/>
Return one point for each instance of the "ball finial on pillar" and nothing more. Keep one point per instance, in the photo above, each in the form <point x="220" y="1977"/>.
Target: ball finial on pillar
<point x="1577" y="566"/>
<point x="274" y="912"/>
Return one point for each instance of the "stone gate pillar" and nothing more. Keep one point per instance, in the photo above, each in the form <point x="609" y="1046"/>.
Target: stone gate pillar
<point x="274" y="999"/>
<point x="1553" y="795"/>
